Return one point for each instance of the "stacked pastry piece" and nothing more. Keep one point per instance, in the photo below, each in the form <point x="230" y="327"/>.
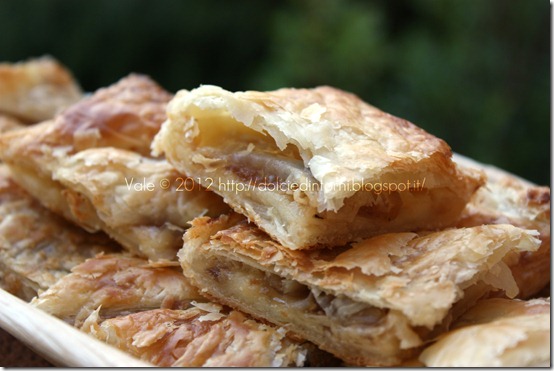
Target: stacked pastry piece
<point x="152" y="312"/>
<point x="90" y="165"/>
<point x="87" y="163"/>
<point x="352" y="227"/>
<point x="37" y="247"/>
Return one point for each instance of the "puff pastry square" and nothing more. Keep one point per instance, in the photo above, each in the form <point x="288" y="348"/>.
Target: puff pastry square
<point x="314" y="167"/>
<point x="116" y="284"/>
<point x="506" y="198"/>
<point x="87" y="163"/>
<point x="37" y="247"/>
<point x="496" y="333"/>
<point x="37" y="89"/>
<point x="372" y="303"/>
<point x="203" y="336"/>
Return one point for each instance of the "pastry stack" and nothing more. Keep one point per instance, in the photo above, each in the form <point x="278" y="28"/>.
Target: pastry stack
<point x="285" y="228"/>
<point x="357" y="247"/>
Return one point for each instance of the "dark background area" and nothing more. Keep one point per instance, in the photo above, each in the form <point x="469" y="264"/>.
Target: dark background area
<point x="475" y="72"/>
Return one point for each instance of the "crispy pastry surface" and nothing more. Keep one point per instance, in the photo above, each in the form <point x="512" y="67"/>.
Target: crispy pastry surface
<point x="314" y="166"/>
<point x="36" y="246"/>
<point x="87" y="163"/>
<point x="506" y="198"/>
<point x="496" y="333"/>
<point x="203" y="336"/>
<point x="37" y="89"/>
<point x="125" y="115"/>
<point x="372" y="303"/>
<point x="143" y="203"/>
<point x="118" y="285"/>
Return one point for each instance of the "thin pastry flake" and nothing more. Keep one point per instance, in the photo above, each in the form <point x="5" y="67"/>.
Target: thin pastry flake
<point x="37" y="247"/>
<point x="185" y="338"/>
<point x="37" y="89"/>
<point x="496" y="333"/>
<point x="373" y="303"/>
<point x="506" y="198"/>
<point x="116" y="284"/>
<point x="314" y="166"/>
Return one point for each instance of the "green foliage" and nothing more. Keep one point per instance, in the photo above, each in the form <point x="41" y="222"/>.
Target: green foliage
<point x="473" y="72"/>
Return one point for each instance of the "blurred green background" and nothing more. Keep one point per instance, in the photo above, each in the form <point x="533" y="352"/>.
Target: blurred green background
<point x="475" y="73"/>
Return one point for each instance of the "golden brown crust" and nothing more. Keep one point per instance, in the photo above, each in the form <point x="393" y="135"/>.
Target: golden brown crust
<point x="118" y="285"/>
<point x="143" y="203"/>
<point x="404" y="284"/>
<point x="35" y="90"/>
<point x="36" y="246"/>
<point x="125" y="115"/>
<point x="87" y="163"/>
<point x="506" y="198"/>
<point x="496" y="333"/>
<point x="204" y="336"/>
<point x="308" y="165"/>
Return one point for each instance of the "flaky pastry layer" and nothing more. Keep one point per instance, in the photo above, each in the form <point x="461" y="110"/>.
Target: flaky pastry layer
<point x="143" y="203"/>
<point x="314" y="166"/>
<point x="125" y="115"/>
<point x="203" y="336"/>
<point x="372" y="303"/>
<point x="8" y="123"/>
<point x="506" y="198"/>
<point x="36" y="246"/>
<point x="496" y="333"/>
<point x="116" y="284"/>
<point x="89" y="164"/>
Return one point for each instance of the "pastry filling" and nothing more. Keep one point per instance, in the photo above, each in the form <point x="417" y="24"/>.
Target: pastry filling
<point x="257" y="174"/>
<point x="252" y="157"/>
<point x="267" y="168"/>
<point x="255" y="160"/>
<point x="253" y="284"/>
